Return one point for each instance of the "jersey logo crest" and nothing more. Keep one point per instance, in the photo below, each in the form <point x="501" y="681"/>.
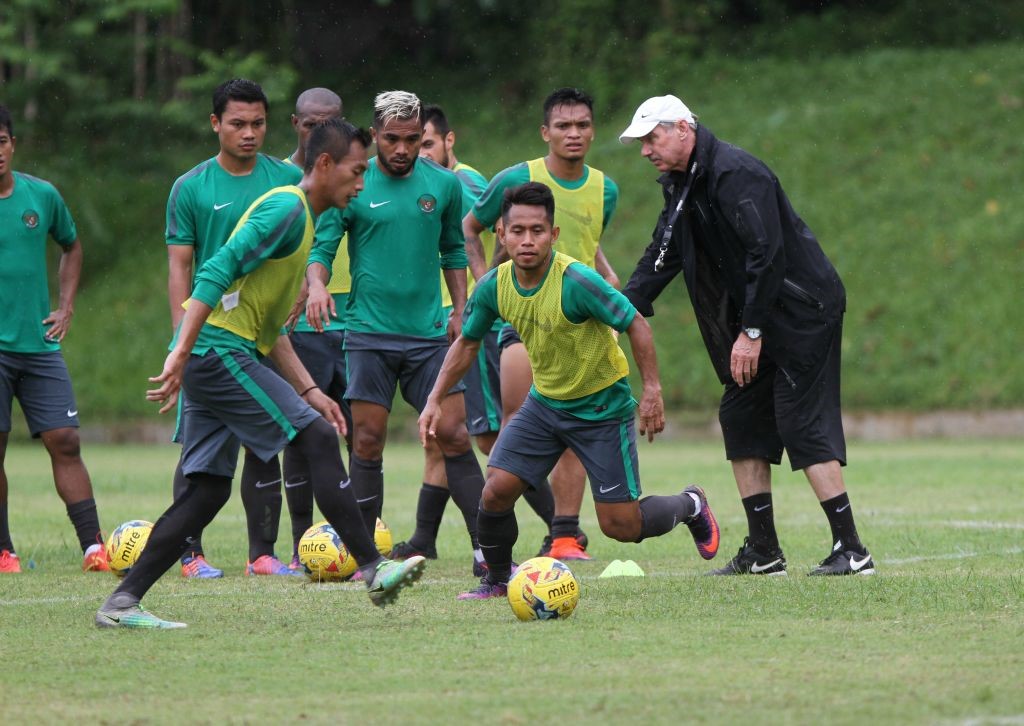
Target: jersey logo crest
<point x="427" y="203"/>
<point x="30" y="218"/>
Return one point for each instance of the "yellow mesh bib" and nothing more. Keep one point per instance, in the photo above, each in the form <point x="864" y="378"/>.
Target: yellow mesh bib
<point x="569" y="360"/>
<point x="256" y="305"/>
<point x="341" y="278"/>
<point x="579" y="213"/>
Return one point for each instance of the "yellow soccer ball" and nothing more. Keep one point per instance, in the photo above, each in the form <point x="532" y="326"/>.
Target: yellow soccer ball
<point x="323" y="556"/>
<point x="125" y="544"/>
<point x="382" y="538"/>
<point x="543" y="588"/>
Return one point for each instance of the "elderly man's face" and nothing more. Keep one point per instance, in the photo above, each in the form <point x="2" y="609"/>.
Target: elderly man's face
<point x="668" y="147"/>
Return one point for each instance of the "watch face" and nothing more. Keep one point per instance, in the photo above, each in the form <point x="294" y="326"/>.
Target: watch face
<point x="752" y="333"/>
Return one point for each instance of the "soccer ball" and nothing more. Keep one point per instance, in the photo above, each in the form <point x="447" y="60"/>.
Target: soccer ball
<point x="323" y="556"/>
<point x="382" y="538"/>
<point x="125" y="544"/>
<point x="543" y="588"/>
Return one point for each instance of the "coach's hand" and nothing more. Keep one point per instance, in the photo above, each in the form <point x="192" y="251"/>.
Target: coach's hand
<point x="743" y="363"/>
<point x="320" y="308"/>
<point x="328" y="408"/>
<point x="170" y="380"/>
<point x="651" y="413"/>
<point x="429" y="420"/>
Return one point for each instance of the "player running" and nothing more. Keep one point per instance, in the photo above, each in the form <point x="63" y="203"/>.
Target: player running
<point x="580" y="398"/>
<point x="585" y="202"/>
<point x="32" y="368"/>
<point x="241" y="299"/>
<point x="403" y="230"/>
<point x="204" y="206"/>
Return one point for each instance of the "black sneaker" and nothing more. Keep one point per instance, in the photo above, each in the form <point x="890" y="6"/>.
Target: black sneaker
<point x="845" y="562"/>
<point x="751" y="561"/>
<point x="404" y="550"/>
<point x="545" y="547"/>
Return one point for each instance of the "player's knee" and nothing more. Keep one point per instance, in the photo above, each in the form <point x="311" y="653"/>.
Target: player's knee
<point x="368" y="444"/>
<point x="620" y="527"/>
<point x="63" y="443"/>
<point x="318" y="436"/>
<point x="454" y="440"/>
<point x="499" y="494"/>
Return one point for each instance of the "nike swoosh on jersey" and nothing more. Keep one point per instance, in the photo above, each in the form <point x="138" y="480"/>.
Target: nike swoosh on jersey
<point x="218" y="207"/>
<point x="757" y="569"/>
<point x="374" y="205"/>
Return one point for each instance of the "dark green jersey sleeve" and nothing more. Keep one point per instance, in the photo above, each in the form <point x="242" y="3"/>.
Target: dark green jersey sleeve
<point x="329" y="231"/>
<point x="611" y="200"/>
<point x="62" y="226"/>
<point x="488" y="206"/>
<point x="585" y="294"/>
<point x="482" y="307"/>
<point x="181" y="223"/>
<point x="453" y="243"/>
<point x="274" y="229"/>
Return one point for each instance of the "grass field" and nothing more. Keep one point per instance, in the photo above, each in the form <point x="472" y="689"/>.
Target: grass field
<point x="937" y="636"/>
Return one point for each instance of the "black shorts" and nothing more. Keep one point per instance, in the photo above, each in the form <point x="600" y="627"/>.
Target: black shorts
<point x="41" y="383"/>
<point x="795" y="410"/>
<point x="322" y="356"/>
<point x="483" y="389"/>
<point x="378" y="363"/>
<point x="508" y="336"/>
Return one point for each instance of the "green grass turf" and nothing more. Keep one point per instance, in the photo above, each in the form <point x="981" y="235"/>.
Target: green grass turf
<point x="937" y="636"/>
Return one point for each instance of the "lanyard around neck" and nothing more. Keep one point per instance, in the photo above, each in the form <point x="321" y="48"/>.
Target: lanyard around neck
<point x="666" y="235"/>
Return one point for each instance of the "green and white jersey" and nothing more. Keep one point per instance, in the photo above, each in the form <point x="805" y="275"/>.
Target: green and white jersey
<point x="401" y="233"/>
<point x="206" y="202"/>
<point x="562" y="322"/>
<point x="33" y="212"/>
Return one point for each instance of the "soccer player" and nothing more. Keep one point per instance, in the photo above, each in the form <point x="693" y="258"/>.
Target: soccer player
<point x="580" y="398"/>
<point x="585" y="202"/>
<point x="242" y="297"/>
<point x="32" y="368"/>
<point x="402" y="231"/>
<point x="482" y="395"/>
<point x="204" y="205"/>
<point x="320" y="353"/>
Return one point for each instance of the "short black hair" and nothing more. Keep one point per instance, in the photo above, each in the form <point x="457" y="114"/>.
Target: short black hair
<point x="566" y="97"/>
<point x="5" y="120"/>
<point x="334" y="137"/>
<point x="434" y="114"/>
<point x="238" y="89"/>
<point x="533" y="194"/>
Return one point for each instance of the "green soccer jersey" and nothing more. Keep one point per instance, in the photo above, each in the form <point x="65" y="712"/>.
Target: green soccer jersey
<point x="271" y="230"/>
<point x="33" y="212"/>
<point x="401" y="233"/>
<point x="488" y="207"/>
<point x="206" y="202"/>
<point x="585" y="295"/>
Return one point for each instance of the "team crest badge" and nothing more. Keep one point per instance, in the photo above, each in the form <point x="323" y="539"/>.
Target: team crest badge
<point x="30" y="218"/>
<point x="428" y="203"/>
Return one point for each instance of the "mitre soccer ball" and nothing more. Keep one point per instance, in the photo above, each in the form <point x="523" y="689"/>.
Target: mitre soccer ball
<point x="323" y="556"/>
<point x="382" y="538"/>
<point x="126" y="543"/>
<point x="543" y="589"/>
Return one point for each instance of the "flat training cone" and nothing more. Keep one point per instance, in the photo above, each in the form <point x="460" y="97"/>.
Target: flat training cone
<point x="618" y="568"/>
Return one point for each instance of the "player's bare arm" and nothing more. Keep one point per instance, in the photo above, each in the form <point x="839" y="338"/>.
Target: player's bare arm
<point x="455" y="279"/>
<point x="174" y="365"/>
<point x="471" y="229"/>
<point x="291" y="369"/>
<point x="456" y="362"/>
<point x="319" y="303"/>
<point x="69" y="273"/>
<point x="179" y="279"/>
<point x="604" y="268"/>
<point x="652" y="409"/>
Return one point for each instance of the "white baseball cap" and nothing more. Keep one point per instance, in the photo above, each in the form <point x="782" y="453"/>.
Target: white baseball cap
<point x="653" y="111"/>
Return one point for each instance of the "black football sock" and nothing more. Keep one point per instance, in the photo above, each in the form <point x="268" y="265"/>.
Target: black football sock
<point x="179" y="487"/>
<point x="466" y="484"/>
<point x="498" y="532"/>
<point x="368" y="486"/>
<point x="335" y="493"/>
<point x="840" y="519"/>
<point x="761" y="522"/>
<point x="661" y="514"/>
<point x="564" y="526"/>
<point x="173" y="533"/>
<point x="429" y="512"/>
<point x="86" y="522"/>
<point x="261" y="498"/>
<point x="298" y="492"/>
<point x="542" y="500"/>
<point x="5" y="530"/>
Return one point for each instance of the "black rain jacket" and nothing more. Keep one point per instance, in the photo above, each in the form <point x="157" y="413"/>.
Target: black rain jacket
<point x="748" y="259"/>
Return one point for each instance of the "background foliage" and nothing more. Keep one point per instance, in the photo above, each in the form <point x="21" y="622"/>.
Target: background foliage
<point x="893" y="126"/>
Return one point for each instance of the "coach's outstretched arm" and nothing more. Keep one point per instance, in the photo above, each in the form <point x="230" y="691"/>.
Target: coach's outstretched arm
<point x="652" y="408"/>
<point x="456" y="362"/>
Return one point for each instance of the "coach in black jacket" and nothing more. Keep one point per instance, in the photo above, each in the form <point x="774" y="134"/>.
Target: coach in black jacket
<point x="770" y="306"/>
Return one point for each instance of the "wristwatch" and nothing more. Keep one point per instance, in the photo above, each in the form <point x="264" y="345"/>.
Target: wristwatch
<point x="752" y="333"/>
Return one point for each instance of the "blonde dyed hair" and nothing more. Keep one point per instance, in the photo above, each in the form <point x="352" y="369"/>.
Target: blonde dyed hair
<point x="395" y="106"/>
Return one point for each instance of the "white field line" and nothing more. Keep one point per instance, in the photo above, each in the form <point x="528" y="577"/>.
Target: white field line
<point x="949" y="556"/>
<point x="1017" y="720"/>
<point x="951" y="523"/>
